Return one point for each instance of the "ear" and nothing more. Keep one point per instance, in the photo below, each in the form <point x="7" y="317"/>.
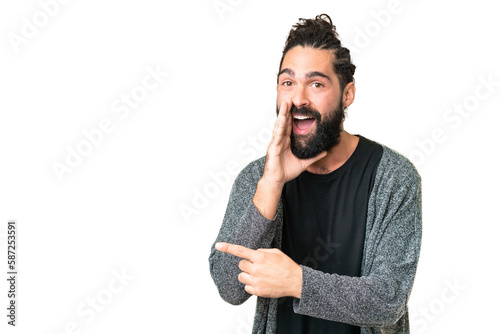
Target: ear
<point x="349" y="94"/>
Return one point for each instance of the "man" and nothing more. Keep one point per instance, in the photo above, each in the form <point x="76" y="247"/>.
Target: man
<point x="325" y="229"/>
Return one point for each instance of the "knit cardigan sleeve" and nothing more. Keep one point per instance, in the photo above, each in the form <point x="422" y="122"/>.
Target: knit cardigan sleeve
<point x="392" y="245"/>
<point x="242" y="225"/>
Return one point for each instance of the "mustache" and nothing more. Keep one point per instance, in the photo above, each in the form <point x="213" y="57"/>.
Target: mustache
<point x="306" y="111"/>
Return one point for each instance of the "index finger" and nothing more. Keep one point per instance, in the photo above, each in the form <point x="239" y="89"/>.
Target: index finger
<point x="280" y="117"/>
<point x="281" y="126"/>
<point x="237" y="250"/>
<point x="284" y="107"/>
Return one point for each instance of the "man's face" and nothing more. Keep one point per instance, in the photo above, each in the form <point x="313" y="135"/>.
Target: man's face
<point x="307" y="80"/>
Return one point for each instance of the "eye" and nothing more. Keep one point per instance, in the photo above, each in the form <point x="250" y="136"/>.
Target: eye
<point x="286" y="83"/>
<point x="318" y="85"/>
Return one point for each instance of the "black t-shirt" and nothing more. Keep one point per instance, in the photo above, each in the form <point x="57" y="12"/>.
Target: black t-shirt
<point x="324" y="229"/>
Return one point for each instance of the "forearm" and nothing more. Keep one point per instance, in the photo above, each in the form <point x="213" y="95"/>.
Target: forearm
<point x="253" y="231"/>
<point x="371" y="301"/>
<point x="267" y="197"/>
<point x="243" y="225"/>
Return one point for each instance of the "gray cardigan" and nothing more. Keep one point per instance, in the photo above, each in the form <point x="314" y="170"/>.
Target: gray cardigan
<point x="376" y="301"/>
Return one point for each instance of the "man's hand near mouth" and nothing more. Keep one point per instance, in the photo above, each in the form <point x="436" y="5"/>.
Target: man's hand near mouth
<point x="281" y="165"/>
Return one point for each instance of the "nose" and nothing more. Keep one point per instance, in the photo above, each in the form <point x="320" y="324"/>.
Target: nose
<point x="300" y="97"/>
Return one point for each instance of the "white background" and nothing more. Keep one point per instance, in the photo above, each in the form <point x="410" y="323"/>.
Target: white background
<point x="120" y="208"/>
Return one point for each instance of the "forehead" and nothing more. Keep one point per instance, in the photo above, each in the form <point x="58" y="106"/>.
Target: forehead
<point x="306" y="59"/>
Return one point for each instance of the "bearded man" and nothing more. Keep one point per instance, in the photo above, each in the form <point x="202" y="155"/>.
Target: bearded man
<point x="326" y="228"/>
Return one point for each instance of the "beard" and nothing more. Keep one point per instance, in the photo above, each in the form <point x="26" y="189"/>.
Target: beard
<point x="326" y="135"/>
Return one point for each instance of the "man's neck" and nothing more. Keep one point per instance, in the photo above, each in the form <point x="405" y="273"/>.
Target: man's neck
<point x="337" y="155"/>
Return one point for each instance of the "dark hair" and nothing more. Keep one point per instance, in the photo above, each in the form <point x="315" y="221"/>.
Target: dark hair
<point x="320" y="33"/>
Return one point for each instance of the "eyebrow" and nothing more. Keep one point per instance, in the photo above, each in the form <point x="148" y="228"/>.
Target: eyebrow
<point x="308" y="75"/>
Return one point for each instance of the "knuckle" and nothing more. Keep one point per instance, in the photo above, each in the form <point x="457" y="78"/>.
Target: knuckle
<point x="245" y="265"/>
<point x="241" y="277"/>
<point x="260" y="254"/>
<point x="249" y="289"/>
<point x="260" y="291"/>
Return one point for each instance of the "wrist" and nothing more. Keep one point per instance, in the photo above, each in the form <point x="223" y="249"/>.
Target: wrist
<point x="270" y="187"/>
<point x="297" y="291"/>
<point x="267" y="197"/>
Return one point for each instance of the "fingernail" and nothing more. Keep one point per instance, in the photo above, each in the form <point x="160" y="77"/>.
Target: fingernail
<point x="218" y="246"/>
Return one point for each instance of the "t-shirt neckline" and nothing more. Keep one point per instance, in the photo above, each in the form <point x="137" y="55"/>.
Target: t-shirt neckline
<point x="345" y="166"/>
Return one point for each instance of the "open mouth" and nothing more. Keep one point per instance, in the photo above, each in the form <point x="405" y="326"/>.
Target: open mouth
<point x="302" y="124"/>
